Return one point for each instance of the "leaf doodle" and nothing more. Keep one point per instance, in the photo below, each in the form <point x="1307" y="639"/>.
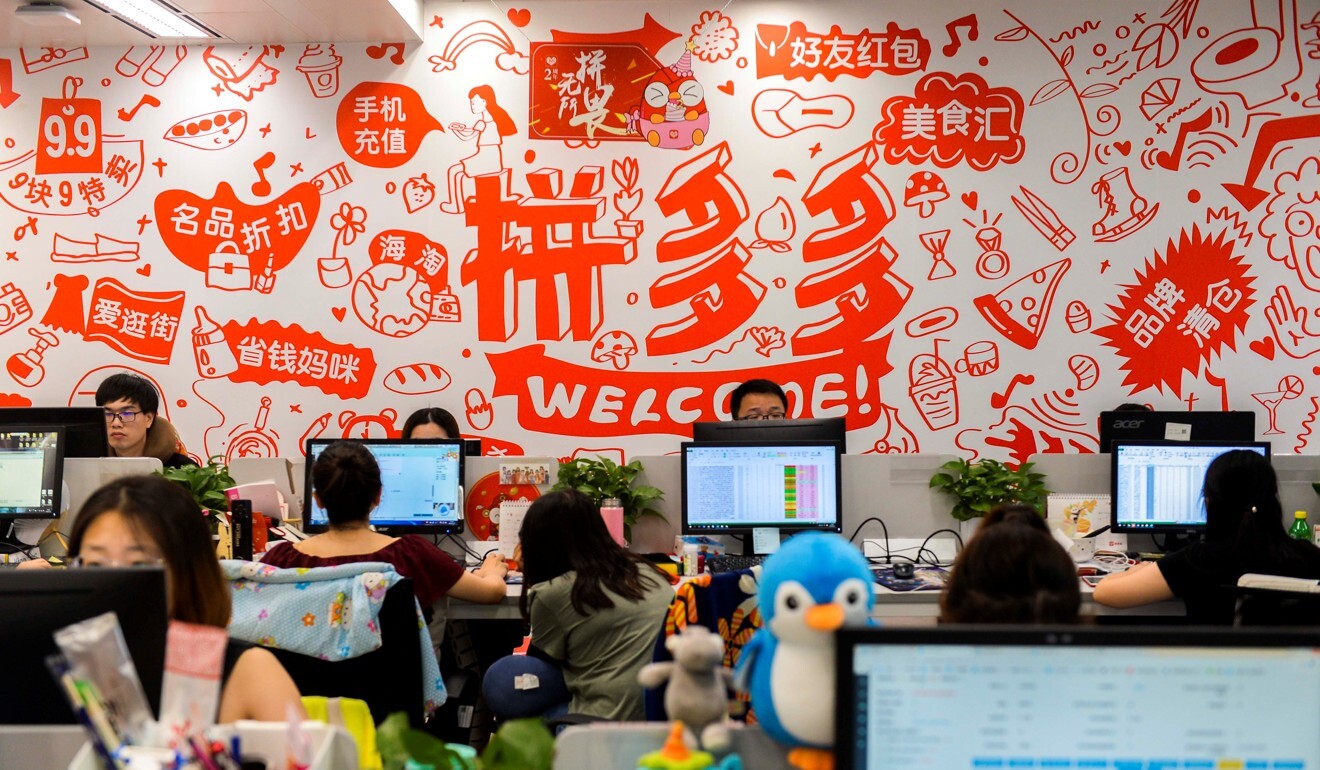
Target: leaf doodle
<point x="1049" y="91"/>
<point x="1156" y="45"/>
<point x="1013" y="35"/>
<point x="1097" y="90"/>
<point x="1067" y="56"/>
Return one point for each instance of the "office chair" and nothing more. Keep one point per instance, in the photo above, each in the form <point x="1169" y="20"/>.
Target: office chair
<point x="389" y="679"/>
<point x="1271" y="600"/>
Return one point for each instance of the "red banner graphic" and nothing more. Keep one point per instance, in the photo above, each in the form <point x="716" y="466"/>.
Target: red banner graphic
<point x="383" y="124"/>
<point x="585" y="90"/>
<point x="559" y="397"/>
<point x="266" y="351"/>
<point x="796" y="52"/>
<point x="1186" y="306"/>
<point x="951" y="116"/>
<point x="238" y="245"/>
<point x="139" y="324"/>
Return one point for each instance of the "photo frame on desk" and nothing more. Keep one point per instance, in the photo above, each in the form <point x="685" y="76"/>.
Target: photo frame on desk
<point x="1082" y="524"/>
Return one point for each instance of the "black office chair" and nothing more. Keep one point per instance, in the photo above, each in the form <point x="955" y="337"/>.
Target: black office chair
<point x="1271" y="600"/>
<point x="389" y="679"/>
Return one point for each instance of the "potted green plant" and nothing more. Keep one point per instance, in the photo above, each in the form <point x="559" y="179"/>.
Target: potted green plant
<point x="207" y="485"/>
<point x="601" y="478"/>
<point x="982" y="484"/>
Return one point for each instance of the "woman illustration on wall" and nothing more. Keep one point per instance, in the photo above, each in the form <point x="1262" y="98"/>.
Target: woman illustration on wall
<point x="493" y="124"/>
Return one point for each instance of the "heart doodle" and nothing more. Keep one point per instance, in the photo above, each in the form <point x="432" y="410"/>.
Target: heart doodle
<point x="726" y="87"/>
<point x="1123" y="147"/>
<point x="1264" y="348"/>
<point x="338" y="313"/>
<point x="144" y="271"/>
<point x="969" y="200"/>
<point x="520" y="17"/>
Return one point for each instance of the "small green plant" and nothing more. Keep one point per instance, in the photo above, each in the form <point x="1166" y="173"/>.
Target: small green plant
<point x="602" y="478"/>
<point x="983" y="484"/>
<point x="206" y="483"/>
<point x="522" y="744"/>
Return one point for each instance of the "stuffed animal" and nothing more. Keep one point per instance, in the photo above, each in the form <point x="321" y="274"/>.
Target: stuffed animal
<point x="698" y="693"/>
<point x="813" y="585"/>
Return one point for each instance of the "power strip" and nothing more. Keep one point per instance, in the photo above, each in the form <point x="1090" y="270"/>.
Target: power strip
<point x="905" y="548"/>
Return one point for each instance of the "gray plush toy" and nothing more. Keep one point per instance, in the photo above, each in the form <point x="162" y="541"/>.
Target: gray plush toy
<point x="698" y="694"/>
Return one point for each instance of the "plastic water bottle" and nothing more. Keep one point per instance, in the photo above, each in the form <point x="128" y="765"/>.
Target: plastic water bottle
<point x="1300" y="529"/>
<point x="611" y="510"/>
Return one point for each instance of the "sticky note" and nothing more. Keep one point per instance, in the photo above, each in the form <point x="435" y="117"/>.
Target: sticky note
<point x="765" y="540"/>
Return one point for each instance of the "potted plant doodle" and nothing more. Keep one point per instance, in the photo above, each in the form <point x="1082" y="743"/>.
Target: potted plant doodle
<point x="980" y="485"/>
<point x="600" y="478"/>
<point x="628" y="198"/>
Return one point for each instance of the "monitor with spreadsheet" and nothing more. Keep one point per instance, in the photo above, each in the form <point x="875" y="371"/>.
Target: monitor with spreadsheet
<point x="733" y="487"/>
<point x="1156" y="485"/>
<point x="772" y="431"/>
<point x="422" y="480"/>
<point x="1089" y="698"/>
<point x="31" y="471"/>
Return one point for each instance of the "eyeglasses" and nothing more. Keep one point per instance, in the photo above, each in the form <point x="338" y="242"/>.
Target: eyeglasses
<point x="758" y="416"/>
<point x="128" y="415"/>
<point x="81" y="562"/>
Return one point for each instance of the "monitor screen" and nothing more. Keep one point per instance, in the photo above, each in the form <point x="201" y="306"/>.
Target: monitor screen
<point x="31" y="471"/>
<point x="423" y="485"/>
<point x="84" y="426"/>
<point x="734" y="487"/>
<point x="36" y="603"/>
<point x="773" y="431"/>
<point x="1082" y="698"/>
<point x="1156" y="485"/>
<point x="1175" y="426"/>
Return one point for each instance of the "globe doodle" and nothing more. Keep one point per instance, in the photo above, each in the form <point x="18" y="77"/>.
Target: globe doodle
<point x="392" y="299"/>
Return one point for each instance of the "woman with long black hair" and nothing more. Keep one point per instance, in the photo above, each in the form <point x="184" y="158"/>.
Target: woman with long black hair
<point x="1244" y="534"/>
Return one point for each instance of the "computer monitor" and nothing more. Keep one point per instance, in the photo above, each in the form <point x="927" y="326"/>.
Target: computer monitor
<point x="36" y="603"/>
<point x="31" y="471"/>
<point x="1155" y="486"/>
<point x="423" y="485"/>
<point x="1175" y="426"/>
<point x="772" y="431"/>
<point x="84" y="426"/>
<point x="1085" y="698"/>
<point x="733" y="488"/>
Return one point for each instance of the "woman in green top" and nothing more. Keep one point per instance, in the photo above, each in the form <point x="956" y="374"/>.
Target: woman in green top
<point x="595" y="610"/>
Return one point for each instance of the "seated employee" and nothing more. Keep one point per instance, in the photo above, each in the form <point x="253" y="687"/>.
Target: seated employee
<point x="131" y="423"/>
<point x="1243" y="533"/>
<point x="758" y="400"/>
<point x="431" y="422"/>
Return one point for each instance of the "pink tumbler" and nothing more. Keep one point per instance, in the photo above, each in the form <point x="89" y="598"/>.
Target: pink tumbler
<point x="611" y="510"/>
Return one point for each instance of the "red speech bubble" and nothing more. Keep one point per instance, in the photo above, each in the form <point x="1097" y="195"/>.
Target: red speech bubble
<point x="952" y="117"/>
<point x="383" y="124"/>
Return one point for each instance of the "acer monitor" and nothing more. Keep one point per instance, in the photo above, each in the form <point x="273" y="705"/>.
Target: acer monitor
<point x="771" y="431"/>
<point x="422" y="485"/>
<point x="1156" y="485"/>
<point x="1175" y="426"/>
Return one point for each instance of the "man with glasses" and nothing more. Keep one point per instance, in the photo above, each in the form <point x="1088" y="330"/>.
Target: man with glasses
<point x="758" y="400"/>
<point x="131" y="423"/>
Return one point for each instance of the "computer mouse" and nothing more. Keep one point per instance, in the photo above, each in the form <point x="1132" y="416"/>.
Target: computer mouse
<point x="904" y="570"/>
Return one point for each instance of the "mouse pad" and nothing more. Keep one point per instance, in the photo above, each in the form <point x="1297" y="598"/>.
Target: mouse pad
<point x="925" y="579"/>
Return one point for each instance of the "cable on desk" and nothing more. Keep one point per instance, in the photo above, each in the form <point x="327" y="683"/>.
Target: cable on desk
<point x="465" y="547"/>
<point x="934" y="557"/>
<point x="858" y="531"/>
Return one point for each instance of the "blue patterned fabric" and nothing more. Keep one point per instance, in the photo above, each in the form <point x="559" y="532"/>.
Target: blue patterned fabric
<point x="329" y="613"/>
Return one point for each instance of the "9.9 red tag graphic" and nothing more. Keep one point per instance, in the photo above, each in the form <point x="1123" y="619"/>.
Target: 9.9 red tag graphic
<point x="69" y="141"/>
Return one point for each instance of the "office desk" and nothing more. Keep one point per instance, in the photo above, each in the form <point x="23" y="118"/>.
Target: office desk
<point x="889" y="605"/>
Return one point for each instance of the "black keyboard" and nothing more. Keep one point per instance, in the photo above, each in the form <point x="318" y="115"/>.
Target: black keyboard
<point x="717" y="564"/>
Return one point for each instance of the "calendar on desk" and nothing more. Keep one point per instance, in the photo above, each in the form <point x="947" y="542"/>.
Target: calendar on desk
<point x="1082" y="522"/>
<point x="510" y="523"/>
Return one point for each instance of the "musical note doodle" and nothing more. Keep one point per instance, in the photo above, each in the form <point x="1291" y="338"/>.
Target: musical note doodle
<point x="261" y="187"/>
<point x="1000" y="400"/>
<point x="395" y="51"/>
<point x="973" y="31"/>
<point x="127" y="115"/>
<point x="1170" y="160"/>
<point x="7" y="93"/>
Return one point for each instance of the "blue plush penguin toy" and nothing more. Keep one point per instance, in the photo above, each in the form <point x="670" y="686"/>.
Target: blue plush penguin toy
<point x="814" y="584"/>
